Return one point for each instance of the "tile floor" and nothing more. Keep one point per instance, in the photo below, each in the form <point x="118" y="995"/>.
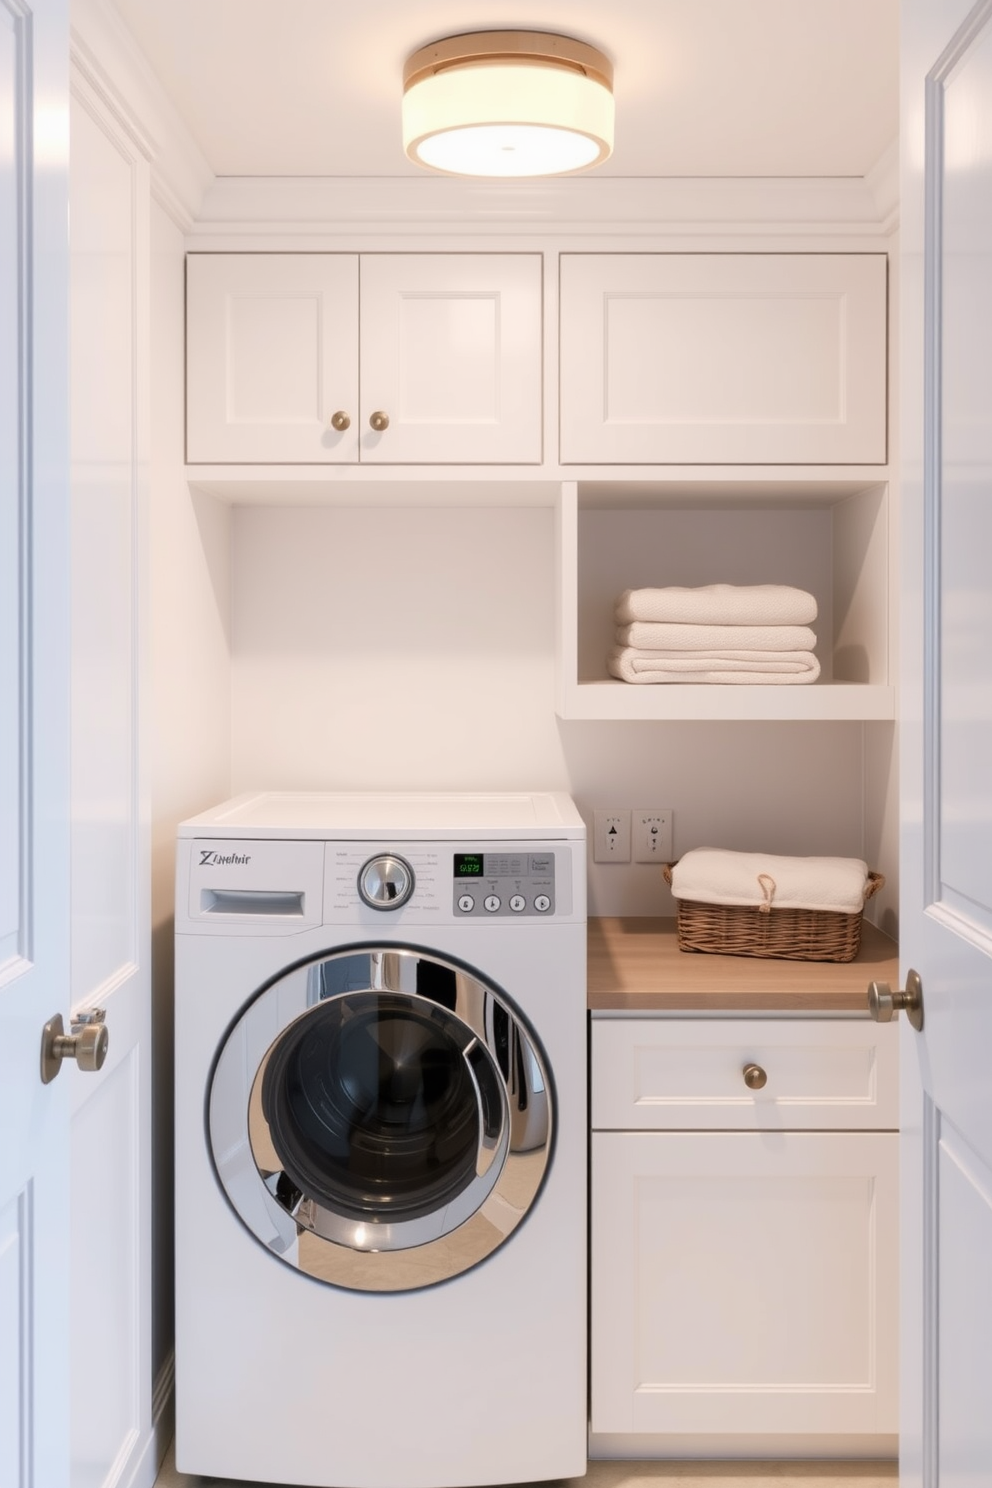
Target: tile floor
<point x="664" y="1475"/>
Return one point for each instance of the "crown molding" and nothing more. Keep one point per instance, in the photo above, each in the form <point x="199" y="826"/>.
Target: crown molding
<point x="104" y="53"/>
<point x="883" y="183"/>
<point x="313" y="208"/>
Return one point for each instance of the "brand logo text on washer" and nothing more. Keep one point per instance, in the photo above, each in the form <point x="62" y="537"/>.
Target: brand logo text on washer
<point x="207" y="856"/>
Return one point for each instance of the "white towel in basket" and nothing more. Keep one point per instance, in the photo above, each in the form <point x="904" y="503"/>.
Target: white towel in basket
<point x="719" y="604"/>
<point x="714" y="875"/>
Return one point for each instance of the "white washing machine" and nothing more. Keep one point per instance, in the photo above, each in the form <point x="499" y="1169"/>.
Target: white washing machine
<point x="381" y="1140"/>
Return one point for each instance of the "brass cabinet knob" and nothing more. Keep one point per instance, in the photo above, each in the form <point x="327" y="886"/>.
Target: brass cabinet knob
<point x="883" y="1003"/>
<point x="379" y="421"/>
<point x="340" y="421"/>
<point x="755" y="1077"/>
<point x="87" y="1044"/>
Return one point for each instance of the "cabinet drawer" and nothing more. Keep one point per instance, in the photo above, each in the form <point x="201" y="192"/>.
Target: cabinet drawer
<point x="685" y="1074"/>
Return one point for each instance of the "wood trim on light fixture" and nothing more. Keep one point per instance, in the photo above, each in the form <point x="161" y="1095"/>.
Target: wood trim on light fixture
<point x="539" y="47"/>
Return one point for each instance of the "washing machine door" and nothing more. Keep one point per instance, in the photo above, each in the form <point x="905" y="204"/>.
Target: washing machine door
<point x="380" y="1119"/>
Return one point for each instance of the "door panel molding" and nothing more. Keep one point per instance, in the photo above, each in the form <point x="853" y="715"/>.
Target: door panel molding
<point x="937" y="85"/>
<point x="16" y="1353"/>
<point x="15" y="476"/>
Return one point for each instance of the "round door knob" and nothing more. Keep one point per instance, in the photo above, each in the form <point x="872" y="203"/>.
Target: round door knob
<point x="379" y="421"/>
<point x="755" y="1077"/>
<point x="883" y="1003"/>
<point x="87" y="1044"/>
<point x="386" y="882"/>
<point x="340" y="421"/>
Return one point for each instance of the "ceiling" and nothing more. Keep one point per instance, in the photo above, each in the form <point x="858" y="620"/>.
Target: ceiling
<point x="703" y="87"/>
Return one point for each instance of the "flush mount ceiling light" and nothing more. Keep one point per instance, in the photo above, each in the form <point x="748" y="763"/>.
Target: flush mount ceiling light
<point x="508" y="103"/>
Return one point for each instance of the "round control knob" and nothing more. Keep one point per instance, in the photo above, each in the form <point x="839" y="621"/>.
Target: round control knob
<point x="385" y="882"/>
<point x="542" y="903"/>
<point x="491" y="903"/>
<point x="466" y="903"/>
<point x="518" y="903"/>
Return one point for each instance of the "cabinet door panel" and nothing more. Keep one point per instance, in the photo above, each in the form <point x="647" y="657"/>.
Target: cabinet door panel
<point x="723" y="358"/>
<point x="272" y="354"/>
<point x="451" y="353"/>
<point x="744" y="1282"/>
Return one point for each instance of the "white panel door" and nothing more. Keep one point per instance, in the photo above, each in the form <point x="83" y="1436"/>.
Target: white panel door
<point x="946" y="919"/>
<point x="34" y="736"/>
<point x="271" y="358"/>
<point x="710" y="359"/>
<point x="110" y="965"/>
<point x="741" y="1282"/>
<point x="451" y="354"/>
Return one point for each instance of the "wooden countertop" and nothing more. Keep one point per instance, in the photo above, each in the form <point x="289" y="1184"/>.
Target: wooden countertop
<point x="635" y="965"/>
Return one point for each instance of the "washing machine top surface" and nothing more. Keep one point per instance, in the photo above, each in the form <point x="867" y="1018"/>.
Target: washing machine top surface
<point x="420" y="816"/>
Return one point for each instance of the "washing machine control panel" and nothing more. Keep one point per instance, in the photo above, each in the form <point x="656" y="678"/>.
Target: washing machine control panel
<point x="511" y="885"/>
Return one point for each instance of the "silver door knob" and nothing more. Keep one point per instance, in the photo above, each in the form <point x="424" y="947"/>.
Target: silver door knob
<point x="87" y="1044"/>
<point x="340" y="421"/>
<point x="883" y="1003"/>
<point x="378" y="421"/>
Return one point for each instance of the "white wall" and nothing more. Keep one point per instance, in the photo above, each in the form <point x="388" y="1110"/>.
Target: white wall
<point x="189" y="686"/>
<point x="413" y="649"/>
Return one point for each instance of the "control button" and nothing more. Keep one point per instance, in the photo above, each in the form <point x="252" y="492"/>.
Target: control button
<point x="542" y="903"/>
<point x="466" y="903"/>
<point x="491" y="903"/>
<point x="517" y="903"/>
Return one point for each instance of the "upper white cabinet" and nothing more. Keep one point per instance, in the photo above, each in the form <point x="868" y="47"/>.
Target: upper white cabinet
<point x="723" y="358"/>
<point x="391" y="358"/>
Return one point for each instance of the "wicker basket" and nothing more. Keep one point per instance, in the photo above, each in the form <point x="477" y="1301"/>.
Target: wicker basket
<point x="785" y="934"/>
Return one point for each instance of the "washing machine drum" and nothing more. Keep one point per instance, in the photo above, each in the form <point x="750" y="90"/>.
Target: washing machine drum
<point x="381" y="1119"/>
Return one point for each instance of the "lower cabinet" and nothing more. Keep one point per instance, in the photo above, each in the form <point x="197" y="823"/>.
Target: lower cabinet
<point x="743" y="1261"/>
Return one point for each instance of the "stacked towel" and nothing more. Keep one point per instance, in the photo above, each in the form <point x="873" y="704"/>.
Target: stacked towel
<point x="717" y="633"/>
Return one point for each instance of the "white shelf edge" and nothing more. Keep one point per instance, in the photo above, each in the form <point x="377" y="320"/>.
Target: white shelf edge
<point x="532" y="485"/>
<point x="822" y="701"/>
<point x="319" y="485"/>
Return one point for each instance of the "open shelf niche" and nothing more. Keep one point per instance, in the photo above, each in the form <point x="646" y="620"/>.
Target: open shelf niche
<point x="813" y="529"/>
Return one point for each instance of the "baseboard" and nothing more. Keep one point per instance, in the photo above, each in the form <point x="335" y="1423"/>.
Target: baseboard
<point x="646" y="1447"/>
<point x="145" y="1468"/>
<point x="164" y="1409"/>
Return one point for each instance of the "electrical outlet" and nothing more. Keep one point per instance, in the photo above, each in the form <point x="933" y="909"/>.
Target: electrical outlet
<point x="611" y="837"/>
<point x="652" y="834"/>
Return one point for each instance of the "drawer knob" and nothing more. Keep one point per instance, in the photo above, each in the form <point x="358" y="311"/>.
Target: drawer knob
<point x="755" y="1077"/>
<point x="340" y="421"/>
<point x="379" y="421"/>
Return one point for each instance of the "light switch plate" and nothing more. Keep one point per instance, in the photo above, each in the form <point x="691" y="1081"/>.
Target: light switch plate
<point x="651" y="833"/>
<point x="611" y="836"/>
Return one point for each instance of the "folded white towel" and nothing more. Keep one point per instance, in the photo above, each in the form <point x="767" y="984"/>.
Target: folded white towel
<point x="719" y="604"/>
<point x="647" y="636"/>
<point x="631" y="665"/>
<point x="713" y="875"/>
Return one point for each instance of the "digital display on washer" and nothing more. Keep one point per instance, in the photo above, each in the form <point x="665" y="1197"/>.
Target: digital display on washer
<point x="468" y="865"/>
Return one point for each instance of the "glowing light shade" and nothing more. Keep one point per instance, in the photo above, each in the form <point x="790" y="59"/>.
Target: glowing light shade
<point x="508" y="103"/>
